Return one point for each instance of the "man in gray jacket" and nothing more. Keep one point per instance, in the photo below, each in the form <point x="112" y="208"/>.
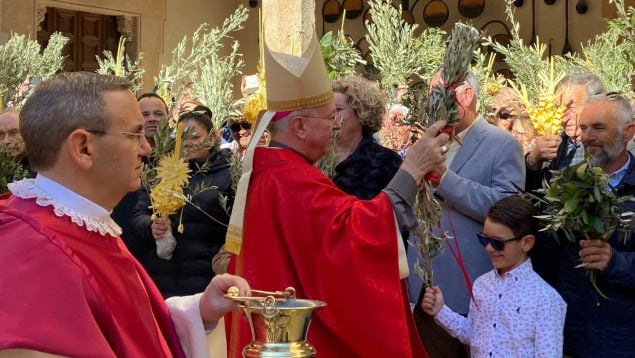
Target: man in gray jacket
<point x="483" y="166"/>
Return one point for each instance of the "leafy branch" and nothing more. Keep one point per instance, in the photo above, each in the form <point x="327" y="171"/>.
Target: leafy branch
<point x="340" y="57"/>
<point x="10" y="170"/>
<point x="204" y="68"/>
<point x="525" y="62"/>
<point x="20" y="57"/>
<point x="122" y="66"/>
<point x="396" y="52"/>
<point x="616" y="67"/>
<point x="458" y="55"/>
<point x="579" y="200"/>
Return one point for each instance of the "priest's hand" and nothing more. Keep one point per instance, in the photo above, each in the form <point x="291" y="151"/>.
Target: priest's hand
<point x="159" y="227"/>
<point x="432" y="301"/>
<point x="595" y="254"/>
<point x="213" y="305"/>
<point x="427" y="154"/>
<point x="545" y="149"/>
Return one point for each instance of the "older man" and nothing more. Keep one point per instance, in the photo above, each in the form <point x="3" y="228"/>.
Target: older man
<point x="10" y="139"/>
<point x="475" y="179"/>
<point x="328" y="245"/>
<point x="599" y="326"/>
<point x="557" y="151"/>
<point x="73" y="289"/>
<point x="12" y="145"/>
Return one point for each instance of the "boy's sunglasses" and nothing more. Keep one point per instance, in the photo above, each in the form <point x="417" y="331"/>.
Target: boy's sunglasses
<point x="498" y="245"/>
<point x="236" y="126"/>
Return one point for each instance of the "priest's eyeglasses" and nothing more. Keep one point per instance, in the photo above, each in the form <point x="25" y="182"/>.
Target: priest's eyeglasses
<point x="336" y="119"/>
<point x="497" y="244"/>
<point x="138" y="136"/>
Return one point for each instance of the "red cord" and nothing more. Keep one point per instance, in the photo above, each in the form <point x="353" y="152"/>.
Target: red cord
<point x="459" y="259"/>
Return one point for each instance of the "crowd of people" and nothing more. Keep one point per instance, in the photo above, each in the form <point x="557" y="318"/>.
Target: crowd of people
<point x="84" y="282"/>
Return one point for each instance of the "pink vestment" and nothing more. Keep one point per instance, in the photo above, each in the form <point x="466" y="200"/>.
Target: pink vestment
<point x="72" y="292"/>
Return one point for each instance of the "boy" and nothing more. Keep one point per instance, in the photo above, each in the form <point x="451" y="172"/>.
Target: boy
<point x="514" y="313"/>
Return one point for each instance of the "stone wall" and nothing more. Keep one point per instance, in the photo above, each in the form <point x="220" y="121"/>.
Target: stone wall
<point x="161" y="24"/>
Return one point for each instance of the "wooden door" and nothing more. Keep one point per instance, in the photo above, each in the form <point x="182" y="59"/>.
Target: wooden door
<point x="89" y="36"/>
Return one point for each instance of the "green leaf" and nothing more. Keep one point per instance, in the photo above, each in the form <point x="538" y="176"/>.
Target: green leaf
<point x="571" y="187"/>
<point x="596" y="192"/>
<point x="326" y="39"/>
<point x="571" y="204"/>
<point x="598" y="225"/>
<point x="593" y="278"/>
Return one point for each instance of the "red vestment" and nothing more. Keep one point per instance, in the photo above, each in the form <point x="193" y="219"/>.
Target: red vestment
<point x="68" y="291"/>
<point x="300" y="230"/>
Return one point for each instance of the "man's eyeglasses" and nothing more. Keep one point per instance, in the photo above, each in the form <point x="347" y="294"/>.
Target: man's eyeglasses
<point x="498" y="245"/>
<point x="336" y="119"/>
<point x="138" y="136"/>
<point x="238" y="125"/>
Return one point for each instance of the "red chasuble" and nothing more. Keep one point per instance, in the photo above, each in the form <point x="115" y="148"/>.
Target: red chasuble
<point x="300" y="230"/>
<point x="71" y="292"/>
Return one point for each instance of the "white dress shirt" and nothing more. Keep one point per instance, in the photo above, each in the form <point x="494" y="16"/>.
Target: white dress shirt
<point x="455" y="144"/>
<point x="515" y="315"/>
<point x="616" y="177"/>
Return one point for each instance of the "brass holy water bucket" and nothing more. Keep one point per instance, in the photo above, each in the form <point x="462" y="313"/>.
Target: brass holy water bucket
<point x="279" y="323"/>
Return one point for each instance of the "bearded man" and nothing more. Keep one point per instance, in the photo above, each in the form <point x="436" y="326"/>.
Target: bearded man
<point x="599" y="326"/>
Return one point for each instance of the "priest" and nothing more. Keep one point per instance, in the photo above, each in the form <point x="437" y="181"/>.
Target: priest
<point x="291" y="226"/>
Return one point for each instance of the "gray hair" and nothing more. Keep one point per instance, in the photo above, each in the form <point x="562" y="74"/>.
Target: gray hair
<point x="282" y="124"/>
<point x="623" y="110"/>
<point x="399" y="108"/>
<point x="61" y="105"/>
<point x="472" y="81"/>
<point x="592" y="83"/>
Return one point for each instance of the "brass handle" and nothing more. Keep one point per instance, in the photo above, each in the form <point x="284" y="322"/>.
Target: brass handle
<point x="233" y="294"/>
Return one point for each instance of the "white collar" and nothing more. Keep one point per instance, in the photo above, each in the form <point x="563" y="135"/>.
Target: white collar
<point x="66" y="202"/>
<point x="616" y="177"/>
<point x="517" y="272"/>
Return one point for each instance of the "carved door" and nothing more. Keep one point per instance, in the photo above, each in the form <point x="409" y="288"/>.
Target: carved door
<point x="90" y="35"/>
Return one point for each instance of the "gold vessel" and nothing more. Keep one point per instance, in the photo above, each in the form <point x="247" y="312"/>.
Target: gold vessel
<point x="279" y="323"/>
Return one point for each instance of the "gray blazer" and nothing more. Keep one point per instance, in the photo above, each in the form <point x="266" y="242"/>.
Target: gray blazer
<point x="481" y="173"/>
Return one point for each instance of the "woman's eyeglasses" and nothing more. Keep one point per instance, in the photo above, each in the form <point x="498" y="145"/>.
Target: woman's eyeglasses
<point x="194" y="113"/>
<point x="498" y="245"/>
<point x="238" y="125"/>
